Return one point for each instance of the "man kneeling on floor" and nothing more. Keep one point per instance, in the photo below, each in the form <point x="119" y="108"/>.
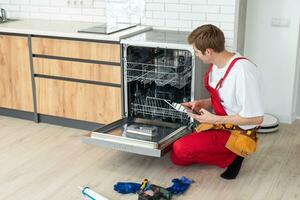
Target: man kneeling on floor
<point x="227" y="135"/>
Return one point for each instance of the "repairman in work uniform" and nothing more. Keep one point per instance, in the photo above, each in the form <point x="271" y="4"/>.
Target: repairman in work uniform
<point x="228" y="134"/>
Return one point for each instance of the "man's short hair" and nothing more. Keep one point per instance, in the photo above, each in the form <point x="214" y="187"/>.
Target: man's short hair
<point x="207" y="36"/>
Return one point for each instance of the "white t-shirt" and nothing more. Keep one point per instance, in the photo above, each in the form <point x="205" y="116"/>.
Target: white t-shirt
<point x="240" y="92"/>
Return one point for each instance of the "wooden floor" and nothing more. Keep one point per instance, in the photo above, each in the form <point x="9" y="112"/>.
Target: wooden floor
<point x="42" y="161"/>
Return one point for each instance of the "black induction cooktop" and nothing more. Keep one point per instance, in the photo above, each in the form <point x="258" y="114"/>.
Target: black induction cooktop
<point x="107" y="28"/>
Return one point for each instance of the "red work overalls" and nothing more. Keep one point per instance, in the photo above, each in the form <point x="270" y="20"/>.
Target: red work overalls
<point x="207" y="147"/>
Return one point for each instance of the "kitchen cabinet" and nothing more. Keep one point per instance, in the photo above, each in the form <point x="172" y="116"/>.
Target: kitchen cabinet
<point x="72" y="79"/>
<point x="77" y="79"/>
<point x="15" y="75"/>
<point x="81" y="101"/>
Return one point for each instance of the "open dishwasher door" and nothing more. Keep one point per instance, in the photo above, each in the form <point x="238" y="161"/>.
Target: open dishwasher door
<point x="140" y="136"/>
<point x="158" y="69"/>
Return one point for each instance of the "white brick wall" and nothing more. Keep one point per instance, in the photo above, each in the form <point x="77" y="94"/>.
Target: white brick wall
<point x="164" y="14"/>
<point x="56" y="10"/>
<point x="188" y="14"/>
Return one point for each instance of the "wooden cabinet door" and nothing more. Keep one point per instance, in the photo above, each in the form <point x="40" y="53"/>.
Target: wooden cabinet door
<point x="15" y="77"/>
<point x="81" y="101"/>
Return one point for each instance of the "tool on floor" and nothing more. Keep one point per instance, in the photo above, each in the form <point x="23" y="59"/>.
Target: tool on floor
<point x="91" y="195"/>
<point x="159" y="193"/>
<point x="179" y="186"/>
<point x="144" y="186"/>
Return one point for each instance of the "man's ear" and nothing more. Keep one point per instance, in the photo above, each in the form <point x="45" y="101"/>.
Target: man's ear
<point x="208" y="51"/>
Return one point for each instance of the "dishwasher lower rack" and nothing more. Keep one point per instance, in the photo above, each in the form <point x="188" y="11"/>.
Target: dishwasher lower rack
<point x="136" y="135"/>
<point x="157" y="108"/>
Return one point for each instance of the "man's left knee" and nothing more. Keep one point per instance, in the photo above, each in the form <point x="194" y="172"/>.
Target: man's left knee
<point x="180" y="149"/>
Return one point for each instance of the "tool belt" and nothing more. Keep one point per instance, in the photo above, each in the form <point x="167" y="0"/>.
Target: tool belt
<point x="241" y="142"/>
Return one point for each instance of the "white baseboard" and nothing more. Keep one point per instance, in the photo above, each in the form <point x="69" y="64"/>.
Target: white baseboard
<point x="287" y="119"/>
<point x="294" y="116"/>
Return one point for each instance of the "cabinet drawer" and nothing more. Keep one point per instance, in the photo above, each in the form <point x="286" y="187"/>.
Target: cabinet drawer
<point x="81" y="101"/>
<point x="78" y="70"/>
<point x="76" y="49"/>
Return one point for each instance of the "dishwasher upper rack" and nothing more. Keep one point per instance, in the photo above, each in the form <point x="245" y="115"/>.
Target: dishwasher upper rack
<point x="157" y="108"/>
<point x="177" y="76"/>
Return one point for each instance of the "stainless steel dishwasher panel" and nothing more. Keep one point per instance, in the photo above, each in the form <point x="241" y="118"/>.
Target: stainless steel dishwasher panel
<point x="140" y="136"/>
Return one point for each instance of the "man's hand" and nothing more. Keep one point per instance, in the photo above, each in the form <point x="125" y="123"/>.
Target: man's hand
<point x="196" y="106"/>
<point x="204" y="117"/>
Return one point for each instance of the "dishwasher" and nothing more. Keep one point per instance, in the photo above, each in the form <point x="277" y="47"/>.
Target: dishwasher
<point x="159" y="68"/>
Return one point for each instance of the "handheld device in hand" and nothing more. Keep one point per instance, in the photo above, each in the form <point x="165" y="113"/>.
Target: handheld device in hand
<point x="179" y="107"/>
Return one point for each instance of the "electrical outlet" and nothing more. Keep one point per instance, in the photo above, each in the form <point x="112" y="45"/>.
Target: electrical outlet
<point x="86" y="3"/>
<point x="280" y="22"/>
<point x="80" y="3"/>
<point x="73" y="3"/>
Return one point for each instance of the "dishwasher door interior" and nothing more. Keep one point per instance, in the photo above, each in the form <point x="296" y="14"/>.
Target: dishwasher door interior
<point x="137" y="135"/>
<point x="153" y="79"/>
